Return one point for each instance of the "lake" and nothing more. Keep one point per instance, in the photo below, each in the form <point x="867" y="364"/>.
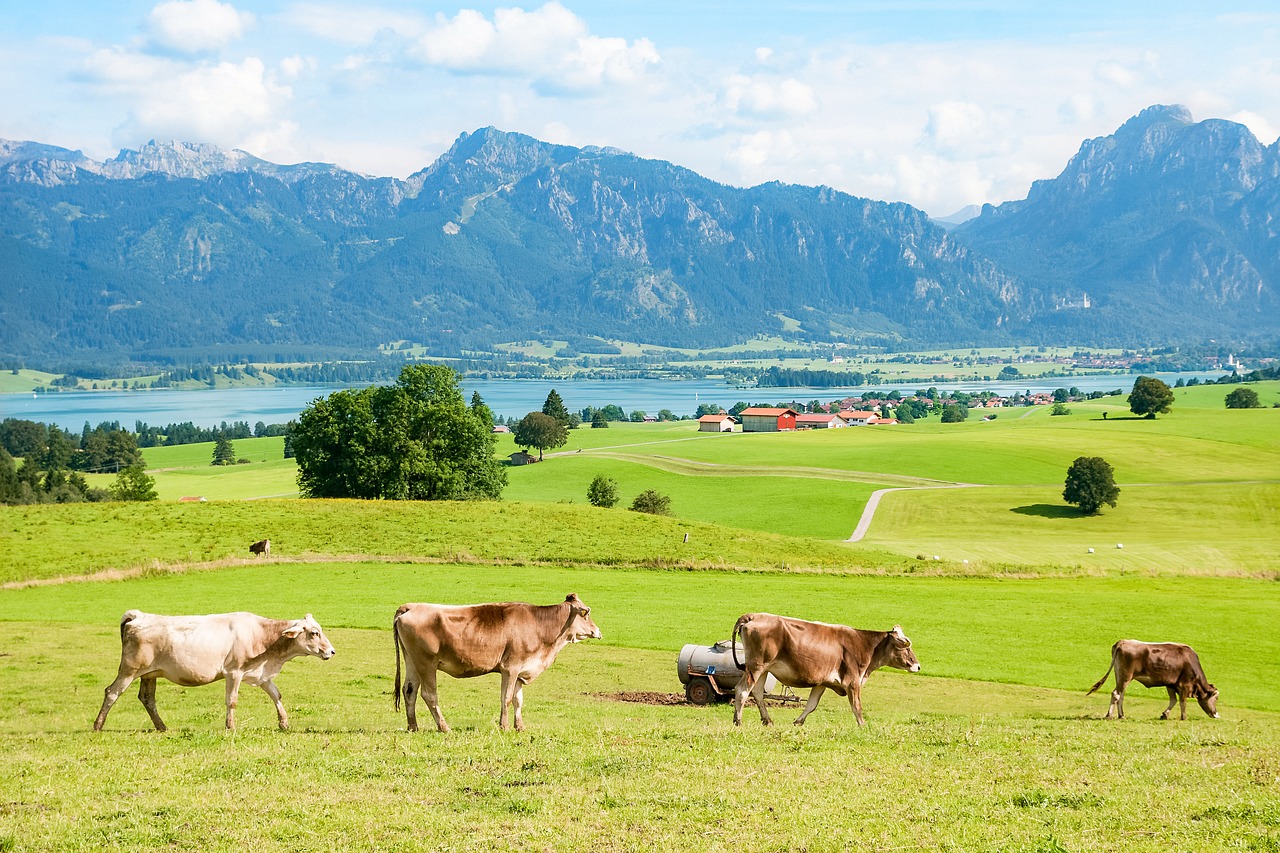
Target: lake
<point x="507" y="397"/>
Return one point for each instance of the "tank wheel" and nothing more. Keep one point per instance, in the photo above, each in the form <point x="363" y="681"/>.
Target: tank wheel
<point x="699" y="692"/>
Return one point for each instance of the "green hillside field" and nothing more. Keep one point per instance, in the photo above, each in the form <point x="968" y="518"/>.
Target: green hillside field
<point x="993" y="746"/>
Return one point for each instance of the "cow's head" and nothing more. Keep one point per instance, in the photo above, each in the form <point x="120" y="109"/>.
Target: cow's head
<point x="1207" y="696"/>
<point x="310" y="637"/>
<point x="580" y="625"/>
<point x="900" y="654"/>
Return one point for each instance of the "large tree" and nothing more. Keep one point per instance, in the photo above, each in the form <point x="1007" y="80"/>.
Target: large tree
<point x="554" y="407"/>
<point x="133" y="484"/>
<point x="1090" y="484"/>
<point x="541" y="431"/>
<point x="1243" y="398"/>
<point x="414" y="440"/>
<point x="1150" y="397"/>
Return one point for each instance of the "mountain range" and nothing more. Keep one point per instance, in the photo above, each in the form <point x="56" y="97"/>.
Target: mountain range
<point x="1165" y="231"/>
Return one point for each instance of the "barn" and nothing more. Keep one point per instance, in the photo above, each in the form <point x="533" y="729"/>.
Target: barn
<point x="715" y="423"/>
<point x="819" y="420"/>
<point x="760" y="419"/>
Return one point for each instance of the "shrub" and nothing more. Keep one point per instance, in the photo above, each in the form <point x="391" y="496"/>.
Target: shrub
<point x="652" y="502"/>
<point x="603" y="492"/>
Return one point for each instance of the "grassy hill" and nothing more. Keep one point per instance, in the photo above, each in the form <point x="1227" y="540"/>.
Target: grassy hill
<point x="994" y="746"/>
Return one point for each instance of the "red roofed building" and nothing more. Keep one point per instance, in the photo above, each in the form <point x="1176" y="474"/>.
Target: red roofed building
<point x="767" y="420"/>
<point x="819" y="420"/>
<point x="715" y="423"/>
<point x="855" y="418"/>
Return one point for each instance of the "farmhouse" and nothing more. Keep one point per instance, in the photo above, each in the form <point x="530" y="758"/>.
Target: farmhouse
<point x="759" y="419"/>
<point x="501" y="428"/>
<point x="715" y="423"/>
<point x="819" y="420"/>
<point x="522" y="458"/>
<point x="857" y="418"/>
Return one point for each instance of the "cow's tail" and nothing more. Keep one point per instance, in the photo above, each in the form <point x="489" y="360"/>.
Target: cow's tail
<point x="395" y="632"/>
<point x="1103" y="679"/>
<point x="129" y="616"/>
<point x="733" y="639"/>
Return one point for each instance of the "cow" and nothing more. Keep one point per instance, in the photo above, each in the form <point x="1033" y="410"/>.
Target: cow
<point x="262" y="547"/>
<point x="195" y="650"/>
<point x="813" y="654"/>
<point x="1172" y="666"/>
<point x="515" y="639"/>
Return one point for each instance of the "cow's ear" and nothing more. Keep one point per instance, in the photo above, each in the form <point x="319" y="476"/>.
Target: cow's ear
<point x="294" y="630"/>
<point x="571" y="597"/>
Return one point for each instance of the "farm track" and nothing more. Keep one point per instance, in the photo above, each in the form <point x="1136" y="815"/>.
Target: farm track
<point x="678" y="465"/>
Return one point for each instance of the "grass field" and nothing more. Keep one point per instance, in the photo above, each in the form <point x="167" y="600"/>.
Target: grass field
<point x="994" y="746"/>
<point x="986" y="750"/>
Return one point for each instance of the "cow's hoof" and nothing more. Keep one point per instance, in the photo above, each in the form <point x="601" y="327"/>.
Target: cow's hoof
<point x="443" y="729"/>
<point x="412" y="728"/>
<point x="1165" y="715"/>
<point x="798" y="723"/>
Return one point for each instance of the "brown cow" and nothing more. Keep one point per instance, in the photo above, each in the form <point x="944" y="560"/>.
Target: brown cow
<point x="195" y="650"/>
<point x="1172" y="666"/>
<point x="261" y="547"/>
<point x="813" y="654"/>
<point x="517" y="640"/>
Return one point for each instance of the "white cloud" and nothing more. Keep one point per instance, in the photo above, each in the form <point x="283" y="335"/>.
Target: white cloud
<point x="766" y="99"/>
<point x="229" y="103"/>
<point x="752" y="154"/>
<point x="1258" y="125"/>
<point x="352" y="26"/>
<point x="197" y="26"/>
<point x="551" y="45"/>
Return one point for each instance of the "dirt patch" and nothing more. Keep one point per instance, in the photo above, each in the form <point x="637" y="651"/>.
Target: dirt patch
<point x="644" y="697"/>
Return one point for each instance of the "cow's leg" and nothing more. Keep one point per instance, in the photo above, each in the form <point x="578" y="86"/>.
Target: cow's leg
<point x="814" y="695"/>
<point x="432" y="697"/>
<point x="112" y="693"/>
<point x="855" y="700"/>
<point x="740" y="697"/>
<point x="1173" y="698"/>
<point x="233" y="696"/>
<point x="757" y="693"/>
<point x="509" y="685"/>
<point x="517" y="705"/>
<point x="1117" y="699"/>
<point x="1182" y="702"/>
<point x="274" y="693"/>
<point x="147" y="696"/>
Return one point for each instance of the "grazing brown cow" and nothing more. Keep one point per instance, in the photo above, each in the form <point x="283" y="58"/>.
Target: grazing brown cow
<point x="1172" y="666"/>
<point x="813" y="654"/>
<point x="514" y="639"/>
<point x="195" y="650"/>
<point x="262" y="547"/>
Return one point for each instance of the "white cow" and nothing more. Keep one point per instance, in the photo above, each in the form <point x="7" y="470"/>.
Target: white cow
<point x="195" y="650"/>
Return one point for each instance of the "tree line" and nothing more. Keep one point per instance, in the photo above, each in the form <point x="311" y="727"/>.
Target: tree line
<point x="54" y="462"/>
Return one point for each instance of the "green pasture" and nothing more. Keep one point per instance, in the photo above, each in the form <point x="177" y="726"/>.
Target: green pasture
<point x="993" y="747"/>
<point x="794" y="505"/>
<point x="70" y="540"/>
<point x="1228" y="528"/>
<point x="23" y="380"/>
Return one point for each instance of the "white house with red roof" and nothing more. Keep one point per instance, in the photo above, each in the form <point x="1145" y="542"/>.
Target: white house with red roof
<point x="715" y="423"/>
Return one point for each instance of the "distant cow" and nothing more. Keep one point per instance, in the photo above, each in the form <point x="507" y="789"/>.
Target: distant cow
<point x="262" y="546"/>
<point x="517" y="640"/>
<point x="1172" y="666"/>
<point x="195" y="650"/>
<point x="813" y="654"/>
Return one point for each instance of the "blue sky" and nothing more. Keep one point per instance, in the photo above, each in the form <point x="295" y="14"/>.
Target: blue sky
<point x="939" y="103"/>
